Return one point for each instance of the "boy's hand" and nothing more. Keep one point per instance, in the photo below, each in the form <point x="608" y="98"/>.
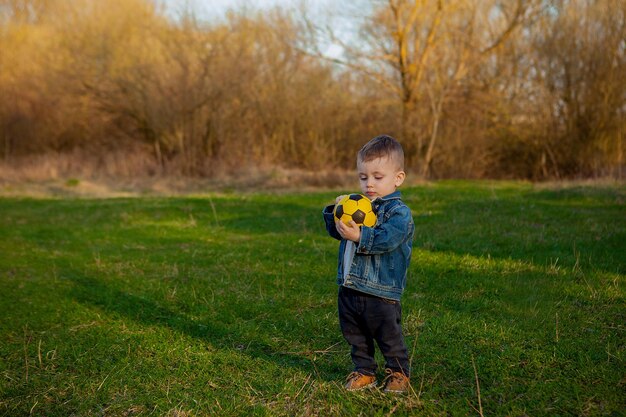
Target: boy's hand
<point x="350" y="231"/>
<point x="338" y="199"/>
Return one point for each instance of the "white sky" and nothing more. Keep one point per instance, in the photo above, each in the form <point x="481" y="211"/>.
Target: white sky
<point x="218" y="8"/>
<point x="324" y="11"/>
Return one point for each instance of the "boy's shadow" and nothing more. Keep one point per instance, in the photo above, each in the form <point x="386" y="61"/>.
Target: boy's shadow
<point x="147" y="311"/>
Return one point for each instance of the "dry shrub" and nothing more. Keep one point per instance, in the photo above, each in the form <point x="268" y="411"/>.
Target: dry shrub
<point x="116" y="89"/>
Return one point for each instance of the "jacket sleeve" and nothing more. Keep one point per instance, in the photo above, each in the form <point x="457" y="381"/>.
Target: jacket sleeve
<point x="329" y="219"/>
<point x="388" y="235"/>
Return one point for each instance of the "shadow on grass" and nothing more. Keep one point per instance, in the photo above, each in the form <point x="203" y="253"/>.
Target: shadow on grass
<point x="149" y="312"/>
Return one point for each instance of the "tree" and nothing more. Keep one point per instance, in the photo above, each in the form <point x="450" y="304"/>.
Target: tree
<point x="580" y="57"/>
<point x="422" y="49"/>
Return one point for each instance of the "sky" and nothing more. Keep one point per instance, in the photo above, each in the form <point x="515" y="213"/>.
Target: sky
<point x="218" y="8"/>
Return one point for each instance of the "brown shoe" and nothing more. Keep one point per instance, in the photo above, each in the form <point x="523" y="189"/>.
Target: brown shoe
<point x="357" y="381"/>
<point x="396" y="382"/>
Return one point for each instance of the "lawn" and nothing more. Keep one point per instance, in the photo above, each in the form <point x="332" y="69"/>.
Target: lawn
<point x="225" y="304"/>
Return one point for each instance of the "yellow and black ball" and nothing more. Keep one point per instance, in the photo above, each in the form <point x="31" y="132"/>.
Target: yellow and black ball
<point x="356" y="207"/>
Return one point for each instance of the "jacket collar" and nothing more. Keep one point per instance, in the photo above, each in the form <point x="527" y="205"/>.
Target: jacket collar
<point x="393" y="196"/>
<point x="396" y="195"/>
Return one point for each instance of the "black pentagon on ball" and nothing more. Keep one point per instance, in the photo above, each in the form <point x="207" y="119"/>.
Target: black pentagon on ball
<point x="358" y="216"/>
<point x="339" y="212"/>
<point x="355" y="197"/>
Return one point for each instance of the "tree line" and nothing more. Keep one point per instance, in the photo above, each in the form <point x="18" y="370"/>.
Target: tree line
<point x="531" y="89"/>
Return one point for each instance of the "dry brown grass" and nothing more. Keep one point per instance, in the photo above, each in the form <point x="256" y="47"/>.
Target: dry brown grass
<point x="68" y="176"/>
<point x="125" y="175"/>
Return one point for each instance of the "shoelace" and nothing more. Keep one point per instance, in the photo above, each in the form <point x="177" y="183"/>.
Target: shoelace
<point x="391" y="376"/>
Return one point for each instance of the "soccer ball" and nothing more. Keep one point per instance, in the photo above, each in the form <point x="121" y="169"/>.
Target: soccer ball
<point x="355" y="207"/>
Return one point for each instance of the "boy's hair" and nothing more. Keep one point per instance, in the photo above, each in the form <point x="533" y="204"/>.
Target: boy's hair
<point x="380" y="147"/>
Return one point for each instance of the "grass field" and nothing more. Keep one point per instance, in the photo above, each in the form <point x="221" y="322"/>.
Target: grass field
<point x="225" y="304"/>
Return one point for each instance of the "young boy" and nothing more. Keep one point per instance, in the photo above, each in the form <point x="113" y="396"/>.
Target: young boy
<point x="373" y="263"/>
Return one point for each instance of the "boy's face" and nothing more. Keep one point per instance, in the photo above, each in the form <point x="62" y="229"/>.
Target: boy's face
<point x="379" y="177"/>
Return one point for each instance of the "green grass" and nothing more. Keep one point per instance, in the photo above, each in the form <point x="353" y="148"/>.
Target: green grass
<point x="226" y="305"/>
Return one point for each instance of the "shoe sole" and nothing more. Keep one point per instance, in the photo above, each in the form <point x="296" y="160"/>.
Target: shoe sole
<point x="393" y="391"/>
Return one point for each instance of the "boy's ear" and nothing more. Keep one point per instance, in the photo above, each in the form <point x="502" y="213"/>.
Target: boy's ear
<point x="400" y="176"/>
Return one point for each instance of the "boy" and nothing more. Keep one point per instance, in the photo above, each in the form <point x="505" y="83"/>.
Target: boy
<point x="373" y="263"/>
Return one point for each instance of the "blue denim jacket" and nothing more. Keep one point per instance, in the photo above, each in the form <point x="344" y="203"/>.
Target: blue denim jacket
<point x="382" y="256"/>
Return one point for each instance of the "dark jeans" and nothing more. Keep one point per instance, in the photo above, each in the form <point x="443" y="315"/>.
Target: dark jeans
<point x="366" y="318"/>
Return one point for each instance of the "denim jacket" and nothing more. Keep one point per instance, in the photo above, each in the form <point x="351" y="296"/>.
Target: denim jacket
<point x="380" y="263"/>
